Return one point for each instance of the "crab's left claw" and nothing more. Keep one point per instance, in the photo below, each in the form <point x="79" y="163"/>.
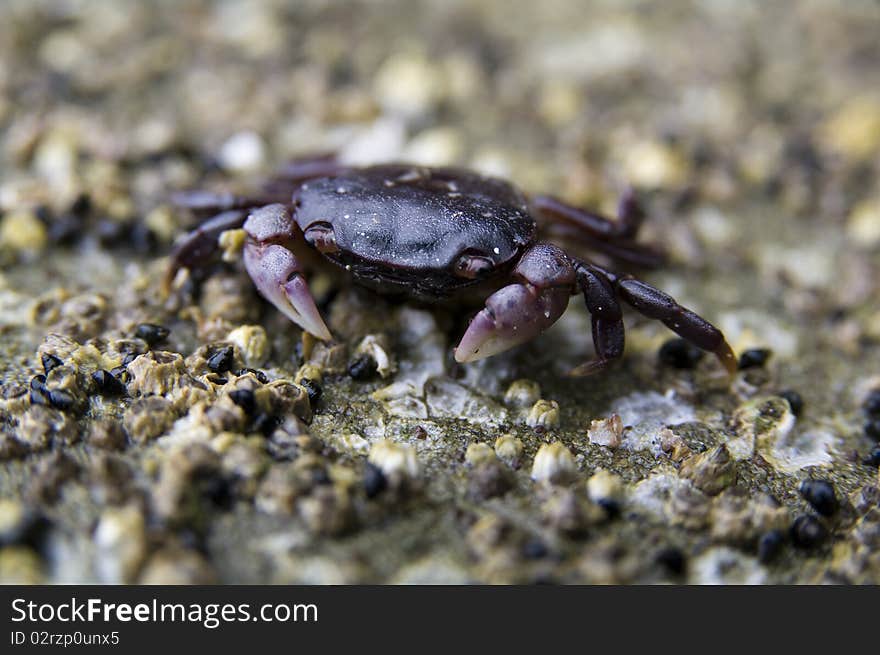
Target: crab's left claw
<point x="513" y="315"/>
<point x="276" y="271"/>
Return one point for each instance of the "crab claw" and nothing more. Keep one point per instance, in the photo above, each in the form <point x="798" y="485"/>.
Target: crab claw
<point x="513" y="315"/>
<point x="277" y="274"/>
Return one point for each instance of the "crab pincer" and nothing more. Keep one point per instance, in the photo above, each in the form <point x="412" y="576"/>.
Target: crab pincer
<point x="520" y="312"/>
<point x="276" y="271"/>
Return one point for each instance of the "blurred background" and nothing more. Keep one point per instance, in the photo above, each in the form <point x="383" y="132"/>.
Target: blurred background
<point x="751" y="131"/>
<point x="719" y="104"/>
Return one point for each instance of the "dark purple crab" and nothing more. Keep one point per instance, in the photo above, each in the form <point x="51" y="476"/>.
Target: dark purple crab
<point x="439" y="234"/>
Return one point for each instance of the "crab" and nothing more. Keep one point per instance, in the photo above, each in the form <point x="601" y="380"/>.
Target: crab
<point x="438" y="235"/>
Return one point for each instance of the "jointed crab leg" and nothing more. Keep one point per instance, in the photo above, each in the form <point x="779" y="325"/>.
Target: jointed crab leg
<point x="653" y="303"/>
<point x="197" y="249"/>
<point x="606" y="317"/>
<point x="629" y="216"/>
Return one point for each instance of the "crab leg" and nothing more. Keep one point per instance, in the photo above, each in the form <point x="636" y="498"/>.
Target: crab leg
<point x="519" y="312"/>
<point x="630" y="216"/>
<point x="198" y="247"/>
<point x="606" y="317"/>
<point x="653" y="303"/>
<point x="277" y="272"/>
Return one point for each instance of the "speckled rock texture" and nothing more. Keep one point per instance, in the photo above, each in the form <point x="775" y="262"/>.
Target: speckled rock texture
<point x="189" y="433"/>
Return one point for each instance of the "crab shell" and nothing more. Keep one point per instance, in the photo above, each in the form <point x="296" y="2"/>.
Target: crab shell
<point x="404" y="228"/>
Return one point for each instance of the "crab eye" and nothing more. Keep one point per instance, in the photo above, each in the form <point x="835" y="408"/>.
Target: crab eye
<point x="471" y="265"/>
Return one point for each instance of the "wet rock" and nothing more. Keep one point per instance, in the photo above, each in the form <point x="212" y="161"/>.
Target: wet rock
<point x="555" y="464"/>
<point x="22" y="233"/>
<point x="244" y="461"/>
<point x="451" y="399"/>
<point x="770" y="545"/>
<point x="177" y="566"/>
<point x="679" y="354"/>
<point x="487" y="476"/>
<point x="106" y="434"/>
<point x="20" y="565"/>
<point x="863" y="224"/>
<point x="570" y="511"/>
<point x="157" y="373"/>
<point x="327" y="510"/>
<point x="654" y="165"/>
<point x="722" y="565"/>
<point x="865" y="498"/>
<point x="151" y="333"/>
<point x="397" y="462"/>
<point x="488" y="479"/>
<point x="120" y="544"/>
<point x="479" y="453"/>
<point x="867" y="530"/>
<point x="40" y="427"/>
<point x="606" y="562"/>
<point x="645" y="414"/>
<point x="147" y="418"/>
<point x="21" y="525"/>
<point x="283" y="485"/>
<point x="739" y="519"/>
<point x="767" y="425"/>
<point x="807" y="532"/>
<point x="408" y="84"/>
<point x="854" y="129"/>
<point x="189" y="477"/>
<point x="283" y="398"/>
<point x="112" y="480"/>
<point x="712" y="471"/>
<point x="522" y="393"/>
<point x="375" y="351"/>
<point x="375" y="481"/>
<point x="821" y="495"/>
<point x="688" y="507"/>
<point x="509" y="450"/>
<point x="606" y="432"/>
<point x="674" y="445"/>
<point x="543" y="414"/>
<point x="53" y="472"/>
<point x="433" y="570"/>
<point x="606" y="490"/>
<point x="252" y="343"/>
<point x="288" y="438"/>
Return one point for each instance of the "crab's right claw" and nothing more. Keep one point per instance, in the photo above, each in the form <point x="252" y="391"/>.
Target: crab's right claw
<point x="277" y="274"/>
<point x="513" y="315"/>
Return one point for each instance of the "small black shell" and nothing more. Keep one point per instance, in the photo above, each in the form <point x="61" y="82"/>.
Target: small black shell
<point x="396" y="222"/>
